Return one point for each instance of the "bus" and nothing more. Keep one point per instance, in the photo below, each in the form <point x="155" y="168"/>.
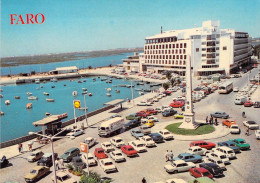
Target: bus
<point x="225" y="87"/>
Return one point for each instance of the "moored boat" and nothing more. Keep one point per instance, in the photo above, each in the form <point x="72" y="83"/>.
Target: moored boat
<point x="85" y="92"/>
<point x="32" y="98"/>
<point x="50" y="100"/>
<point x="17" y="97"/>
<point x="2" y="113"/>
<point x="74" y="93"/>
<point x="108" y="94"/>
<point x="84" y="89"/>
<point x="1" y="96"/>
<point x="37" y="81"/>
<point x="29" y="93"/>
<point x="141" y="93"/>
<point x="138" y="89"/>
<point x="129" y="86"/>
<point x="45" y="93"/>
<point x="79" y="81"/>
<point x="90" y="94"/>
<point x="139" y="83"/>
<point x="47" y="114"/>
<point x="7" y="102"/>
<point x="108" y="89"/>
<point x="54" y="80"/>
<point x="103" y="79"/>
<point x="117" y="91"/>
<point x="122" y="85"/>
<point x="29" y="106"/>
<point x="52" y="86"/>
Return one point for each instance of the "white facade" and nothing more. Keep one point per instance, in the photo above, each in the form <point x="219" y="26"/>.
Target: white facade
<point x="212" y="50"/>
<point x="131" y="64"/>
<point x="64" y="70"/>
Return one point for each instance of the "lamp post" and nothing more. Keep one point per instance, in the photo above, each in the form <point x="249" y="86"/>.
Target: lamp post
<point x="132" y="92"/>
<point x="85" y="109"/>
<point x="52" y="149"/>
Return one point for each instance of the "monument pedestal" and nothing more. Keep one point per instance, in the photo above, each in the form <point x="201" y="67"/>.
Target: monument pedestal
<point x="189" y="122"/>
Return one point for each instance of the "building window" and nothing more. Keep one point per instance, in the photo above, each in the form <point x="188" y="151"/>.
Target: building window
<point x="157" y="56"/>
<point x="172" y="51"/>
<point x="177" y="45"/>
<point x="163" y="56"/>
<point x="184" y="45"/>
<point x="217" y="54"/>
<point x="166" y="46"/>
<point x="217" y="48"/>
<point x="165" y="51"/>
<point x="166" y="56"/>
<point x="156" y="46"/>
<point x="180" y="62"/>
<point x="184" y="56"/>
<point x="163" y="46"/>
<point x="165" y="61"/>
<point x="181" y="57"/>
<point x="160" y="56"/>
<point x="180" y="51"/>
<point x="170" y="45"/>
<point x="159" y="46"/>
<point x="197" y="49"/>
<point x="181" y="45"/>
<point x="203" y="43"/>
<point x="172" y="62"/>
<point x="203" y="55"/>
<point x="173" y="45"/>
<point x="170" y="57"/>
<point x="162" y="52"/>
<point x="159" y="61"/>
<point x="184" y="51"/>
<point x="177" y="57"/>
<point x="184" y="62"/>
<point x="224" y="48"/>
<point x="176" y="51"/>
<point x="203" y="49"/>
<point x="156" y="61"/>
<point x="176" y="62"/>
<point x="173" y="57"/>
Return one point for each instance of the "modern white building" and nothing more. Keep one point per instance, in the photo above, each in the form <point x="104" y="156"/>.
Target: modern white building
<point x="212" y="50"/>
<point x="64" y="70"/>
<point x="132" y="64"/>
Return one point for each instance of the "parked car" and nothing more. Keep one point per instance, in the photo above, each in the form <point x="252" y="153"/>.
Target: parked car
<point x="117" y="141"/>
<point x="248" y="104"/>
<point x="107" y="146"/>
<point x="158" y="109"/>
<point x="200" y="172"/>
<point x="117" y="156"/>
<point x="228" y="123"/>
<point x="169" y="112"/>
<point x="148" y="141"/>
<point x="75" y="133"/>
<point x="202" y="180"/>
<point x="142" y="114"/>
<point x="178" y="116"/>
<point x="145" y="129"/>
<point x="241" y="143"/>
<point x="225" y="150"/>
<point x="257" y="134"/>
<point x="166" y="134"/>
<point x="220" y="115"/>
<point x="133" y="116"/>
<point x="136" y="133"/>
<point x="63" y="177"/>
<point x="90" y="141"/>
<point x="35" y="156"/>
<point x="107" y="165"/>
<point x="129" y="150"/>
<point x="100" y="153"/>
<point x="88" y="159"/>
<point x="197" y="150"/>
<point x="36" y="173"/>
<point x="144" y="103"/>
<point x="219" y="155"/>
<point x="257" y="104"/>
<point x="151" y="111"/>
<point x="179" y="166"/>
<point x="235" y="89"/>
<point x="131" y="124"/>
<point x="138" y="145"/>
<point x="229" y="144"/>
<point x="69" y="154"/>
<point x="217" y="161"/>
<point x="177" y="104"/>
<point x="252" y="125"/>
<point x="4" y="162"/>
<point x="187" y="157"/>
<point x="203" y="144"/>
<point x="148" y="123"/>
<point x="78" y="163"/>
<point x="46" y="159"/>
<point x="234" y="129"/>
<point x="213" y="168"/>
<point x="157" y="138"/>
<point x="149" y="118"/>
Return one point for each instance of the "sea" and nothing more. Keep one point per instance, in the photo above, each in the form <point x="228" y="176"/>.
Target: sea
<point x="17" y="120"/>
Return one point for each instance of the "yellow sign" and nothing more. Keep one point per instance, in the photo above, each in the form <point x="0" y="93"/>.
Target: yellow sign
<point x="77" y="103"/>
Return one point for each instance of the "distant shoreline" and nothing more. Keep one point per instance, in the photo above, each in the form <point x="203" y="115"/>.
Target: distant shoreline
<point x="61" y="57"/>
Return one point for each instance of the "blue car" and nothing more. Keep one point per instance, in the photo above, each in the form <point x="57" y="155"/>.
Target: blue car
<point x="231" y="145"/>
<point x="136" y="133"/>
<point x="169" y="112"/>
<point x="187" y="157"/>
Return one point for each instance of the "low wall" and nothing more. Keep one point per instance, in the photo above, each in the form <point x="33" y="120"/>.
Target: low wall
<point x="64" y="124"/>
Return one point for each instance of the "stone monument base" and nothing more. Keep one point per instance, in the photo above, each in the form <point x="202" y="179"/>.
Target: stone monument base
<point x="189" y="122"/>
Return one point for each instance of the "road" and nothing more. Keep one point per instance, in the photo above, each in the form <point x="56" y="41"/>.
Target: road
<point x="150" y="164"/>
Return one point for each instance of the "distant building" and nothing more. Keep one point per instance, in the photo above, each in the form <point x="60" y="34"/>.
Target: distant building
<point x="212" y="50"/>
<point x="64" y="70"/>
<point x="132" y="64"/>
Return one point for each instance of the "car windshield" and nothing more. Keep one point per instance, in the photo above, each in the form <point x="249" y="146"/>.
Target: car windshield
<point x="63" y="178"/>
<point x="230" y="152"/>
<point x="137" y="131"/>
<point x="242" y="142"/>
<point x="235" y="127"/>
<point x="32" y="154"/>
<point x="100" y="151"/>
<point x="140" y="145"/>
<point x="107" y="145"/>
<point x="119" y="140"/>
<point x="148" y="139"/>
<point x="232" y="145"/>
<point x="206" y="174"/>
<point x="118" y="154"/>
<point x="219" y="162"/>
<point x="166" y="133"/>
<point x="108" y="163"/>
<point x="33" y="171"/>
<point x="130" y="149"/>
<point x="251" y="122"/>
<point x="180" y="156"/>
<point x="67" y="153"/>
<point x="90" y="157"/>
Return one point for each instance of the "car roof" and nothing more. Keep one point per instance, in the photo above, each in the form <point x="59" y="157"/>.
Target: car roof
<point x="239" y="139"/>
<point x="37" y="167"/>
<point x="47" y="154"/>
<point x="107" y="160"/>
<point x="37" y="151"/>
<point x="116" y="151"/>
<point x="179" y="161"/>
<point x="185" y="154"/>
<point x="209" y="164"/>
<point x="106" y="143"/>
<point x="201" y="169"/>
<point x="88" y="138"/>
<point x="99" y="149"/>
<point x="128" y="146"/>
<point x="225" y="148"/>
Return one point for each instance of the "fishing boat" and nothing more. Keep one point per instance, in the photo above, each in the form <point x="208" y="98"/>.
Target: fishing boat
<point x="54" y="80"/>
<point x="83" y="108"/>
<point x="108" y="81"/>
<point x="45" y="93"/>
<point x="141" y="93"/>
<point x="79" y="81"/>
<point x="2" y="113"/>
<point x="114" y="85"/>
<point x="84" y="89"/>
<point x="117" y="91"/>
<point x="37" y="81"/>
<point x="138" y="89"/>
<point x="103" y="79"/>
<point x="74" y="93"/>
<point x="90" y="94"/>
<point x="139" y="83"/>
<point x="122" y="85"/>
<point x="29" y="93"/>
<point x="7" y="102"/>
<point x="44" y="81"/>
<point x="85" y="92"/>
<point x="29" y="106"/>
<point x="52" y="86"/>
<point x="32" y="98"/>
<point x="129" y="86"/>
<point x="17" y="97"/>
<point x="47" y="114"/>
<point x="108" y="89"/>
<point x="108" y="94"/>
<point x="50" y="100"/>
<point x="1" y="96"/>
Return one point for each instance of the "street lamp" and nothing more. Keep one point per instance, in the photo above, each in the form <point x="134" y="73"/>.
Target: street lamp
<point x="132" y="92"/>
<point x="85" y="109"/>
<point x="51" y="140"/>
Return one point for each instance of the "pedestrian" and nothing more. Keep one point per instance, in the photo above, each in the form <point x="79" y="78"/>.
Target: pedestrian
<point x="19" y="147"/>
<point x="57" y="164"/>
<point x="211" y="119"/>
<point x="30" y="147"/>
<point x="61" y="164"/>
<point x="207" y="120"/>
<point x="171" y="156"/>
<point x="166" y="156"/>
<point x="216" y="121"/>
<point x="144" y="180"/>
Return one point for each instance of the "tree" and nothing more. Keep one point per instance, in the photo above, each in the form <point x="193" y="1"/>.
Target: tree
<point x="168" y="75"/>
<point x="173" y="80"/>
<point x="92" y="178"/>
<point x="166" y="85"/>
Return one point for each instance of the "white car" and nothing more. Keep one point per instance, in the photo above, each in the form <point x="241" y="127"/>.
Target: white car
<point x="117" y="156"/>
<point x="158" y="109"/>
<point x="107" y="165"/>
<point x="63" y="177"/>
<point x="107" y="146"/>
<point x="138" y="145"/>
<point x="148" y="141"/>
<point x="150" y="118"/>
<point x="89" y="160"/>
<point x="143" y="103"/>
<point x="91" y="141"/>
<point x="252" y="125"/>
<point x="117" y="141"/>
<point x="218" y="155"/>
<point x="166" y="134"/>
<point x="197" y="150"/>
<point x="234" y="129"/>
<point x="175" y="181"/>
<point x="155" y="99"/>
<point x="179" y="166"/>
<point x="74" y="133"/>
<point x="217" y="161"/>
<point x="236" y="89"/>
<point x="257" y="134"/>
<point x="225" y="150"/>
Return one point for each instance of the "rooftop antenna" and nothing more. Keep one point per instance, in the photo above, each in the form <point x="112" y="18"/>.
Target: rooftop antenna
<point x="161" y="29"/>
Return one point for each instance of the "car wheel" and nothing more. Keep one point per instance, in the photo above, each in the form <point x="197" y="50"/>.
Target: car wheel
<point x="175" y="171"/>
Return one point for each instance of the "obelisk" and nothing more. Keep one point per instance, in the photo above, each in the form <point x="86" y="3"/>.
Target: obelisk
<point x="188" y="116"/>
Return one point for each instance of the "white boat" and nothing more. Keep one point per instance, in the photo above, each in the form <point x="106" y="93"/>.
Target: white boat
<point x="103" y="79"/>
<point x="50" y="100"/>
<point x="74" y="93"/>
<point x="122" y="85"/>
<point x="29" y="93"/>
<point x="2" y="113"/>
<point x="37" y="81"/>
<point x="54" y="80"/>
<point x="45" y="93"/>
<point x="138" y="89"/>
<point x="84" y="89"/>
<point x="108" y="94"/>
<point x="141" y="93"/>
<point x="7" y="102"/>
<point x="108" y="89"/>
<point x="117" y="91"/>
<point x="90" y="94"/>
<point x="85" y="92"/>
<point x="32" y="98"/>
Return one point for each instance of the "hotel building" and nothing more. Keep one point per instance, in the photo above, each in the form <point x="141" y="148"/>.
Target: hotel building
<point x="212" y="50"/>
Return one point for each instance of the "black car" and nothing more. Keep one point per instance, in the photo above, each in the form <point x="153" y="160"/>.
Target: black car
<point x="4" y="162"/>
<point x="157" y="138"/>
<point x="131" y="124"/>
<point x="46" y="159"/>
<point x="213" y="168"/>
<point x="169" y="112"/>
<point x="256" y="105"/>
<point x="78" y="163"/>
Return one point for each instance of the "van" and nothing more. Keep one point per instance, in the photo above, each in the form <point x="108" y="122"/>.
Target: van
<point x="111" y="126"/>
<point x="69" y="154"/>
<point x="240" y="100"/>
<point x="226" y="150"/>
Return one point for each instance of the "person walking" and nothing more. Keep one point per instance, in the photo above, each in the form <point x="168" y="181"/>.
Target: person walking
<point x="216" y="121"/>
<point x="171" y="156"/>
<point x="61" y="164"/>
<point x="57" y="164"/>
<point x="207" y="120"/>
<point x="19" y="148"/>
<point x="166" y="156"/>
<point x="144" y="180"/>
<point x="30" y="147"/>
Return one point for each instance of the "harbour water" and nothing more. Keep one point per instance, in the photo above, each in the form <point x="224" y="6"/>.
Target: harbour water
<point x="17" y="120"/>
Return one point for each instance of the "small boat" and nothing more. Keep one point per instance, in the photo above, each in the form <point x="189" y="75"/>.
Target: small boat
<point x="139" y="83"/>
<point x="45" y="93"/>
<point x="85" y="92"/>
<point x="29" y="93"/>
<point x="74" y="93"/>
<point x="29" y="106"/>
<point x="117" y="91"/>
<point x="103" y="79"/>
<point x="129" y="86"/>
<point x="147" y="90"/>
<point x="141" y="93"/>
<point x="108" y="89"/>
<point x="37" y="81"/>
<point x="7" y="102"/>
<point x="90" y="94"/>
<point x="148" y="82"/>
<point x="44" y="81"/>
<point x="17" y="97"/>
<point x="84" y="89"/>
<point x="84" y="80"/>
<point x="2" y="113"/>
<point x="108" y="81"/>
<point x="54" y="80"/>
<point x="52" y="86"/>
<point x="41" y="86"/>
<point x="47" y="114"/>
<point x="82" y="108"/>
<point x="122" y="85"/>
<point x="32" y="98"/>
<point x="50" y="100"/>
<point x="79" y="81"/>
<point x="108" y="94"/>
<point x="114" y="85"/>
<point x="138" y="89"/>
<point x="1" y="90"/>
<point x="94" y="79"/>
<point x="64" y="85"/>
<point x="1" y="96"/>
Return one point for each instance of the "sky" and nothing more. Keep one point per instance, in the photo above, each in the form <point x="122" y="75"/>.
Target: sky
<point x="85" y="25"/>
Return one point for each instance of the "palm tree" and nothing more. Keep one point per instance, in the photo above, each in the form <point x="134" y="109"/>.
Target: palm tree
<point x="168" y="75"/>
<point x="173" y="80"/>
<point x="166" y="85"/>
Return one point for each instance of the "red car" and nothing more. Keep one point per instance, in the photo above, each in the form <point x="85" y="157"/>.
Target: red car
<point x="151" y="111"/>
<point x="142" y="114"/>
<point x="177" y="104"/>
<point x="203" y="144"/>
<point x="100" y="153"/>
<point x="248" y="104"/>
<point x="200" y="172"/>
<point x="129" y="150"/>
